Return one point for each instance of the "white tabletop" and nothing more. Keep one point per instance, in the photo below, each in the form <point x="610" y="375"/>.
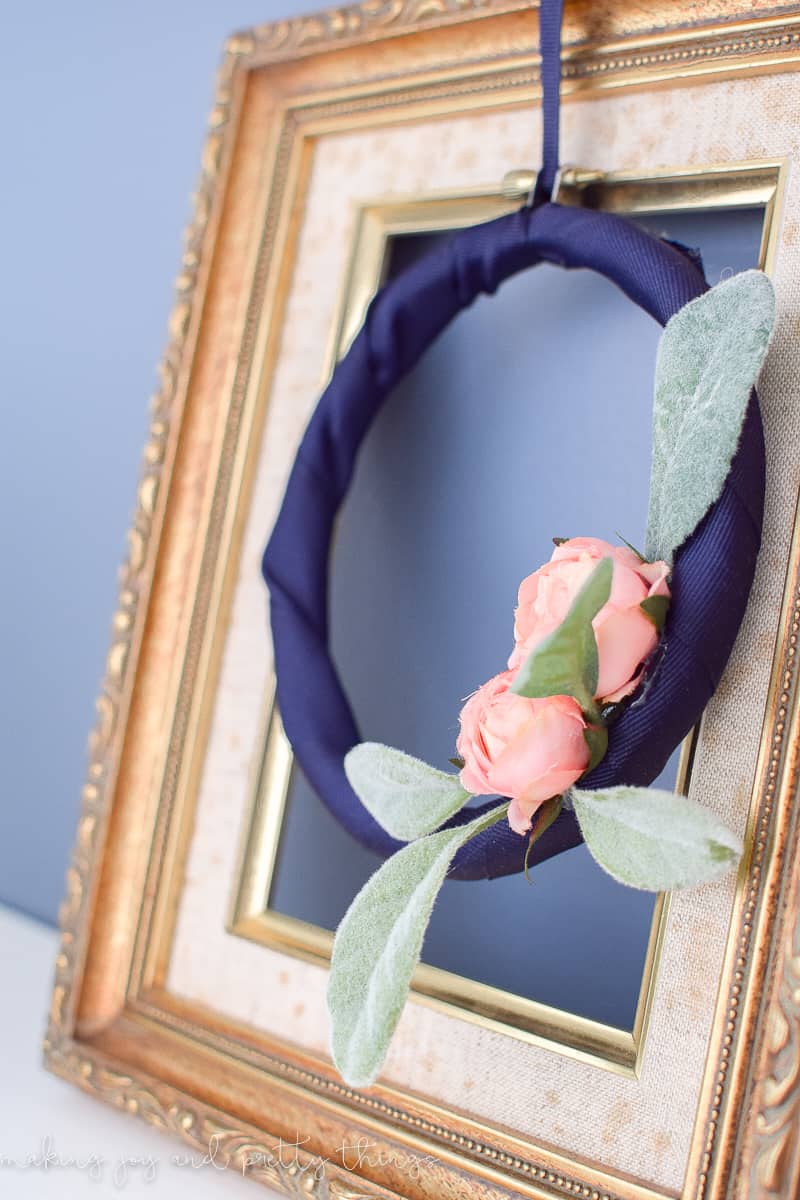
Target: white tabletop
<point x="76" y="1146"/>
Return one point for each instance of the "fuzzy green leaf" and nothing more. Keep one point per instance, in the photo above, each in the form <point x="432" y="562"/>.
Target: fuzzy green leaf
<point x="654" y="840"/>
<point x="378" y="944"/>
<point x="709" y="358"/>
<point x="655" y="608"/>
<point x="404" y="795"/>
<point x="565" y="663"/>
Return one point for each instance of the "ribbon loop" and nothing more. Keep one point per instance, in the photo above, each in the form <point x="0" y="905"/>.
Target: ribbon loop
<point x="550" y="16"/>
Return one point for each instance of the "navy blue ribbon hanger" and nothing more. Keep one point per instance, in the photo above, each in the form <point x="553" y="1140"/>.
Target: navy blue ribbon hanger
<point x="550" y="17"/>
<point x="712" y="573"/>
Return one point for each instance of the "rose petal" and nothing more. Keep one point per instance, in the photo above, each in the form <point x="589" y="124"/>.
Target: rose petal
<point x="474" y="783"/>
<point x="655" y="575"/>
<point x="552" y="741"/>
<point x="518" y="817"/>
<point x="628" y="589"/>
<point x="577" y="546"/>
<point x="624" y="641"/>
<point x="627" y="690"/>
<point x="522" y="810"/>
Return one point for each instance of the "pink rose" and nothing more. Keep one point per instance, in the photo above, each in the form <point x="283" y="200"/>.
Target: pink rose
<point x="625" y="635"/>
<point x="529" y="750"/>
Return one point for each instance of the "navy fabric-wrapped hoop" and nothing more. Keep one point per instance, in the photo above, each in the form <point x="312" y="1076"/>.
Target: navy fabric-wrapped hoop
<point x="712" y="573"/>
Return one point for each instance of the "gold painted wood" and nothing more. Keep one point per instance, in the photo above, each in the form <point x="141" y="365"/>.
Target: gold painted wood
<point x="112" y="1029"/>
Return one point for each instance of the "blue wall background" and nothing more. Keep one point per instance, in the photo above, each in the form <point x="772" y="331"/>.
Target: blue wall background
<point x="104" y="109"/>
<point x="105" y="116"/>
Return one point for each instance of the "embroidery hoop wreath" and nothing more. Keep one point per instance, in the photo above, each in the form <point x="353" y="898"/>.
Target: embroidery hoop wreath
<point x="704" y="519"/>
<point x="705" y="514"/>
<point x="705" y="510"/>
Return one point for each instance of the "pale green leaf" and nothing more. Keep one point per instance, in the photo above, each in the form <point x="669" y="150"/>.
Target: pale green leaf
<point x="596" y="738"/>
<point x="709" y="358"/>
<point x="655" y="608"/>
<point x="565" y="663"/>
<point x="378" y="944"/>
<point x="404" y="795"/>
<point x="654" y="840"/>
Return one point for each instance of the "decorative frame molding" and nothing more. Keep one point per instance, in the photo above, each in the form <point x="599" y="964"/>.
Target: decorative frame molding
<point x="113" y="1030"/>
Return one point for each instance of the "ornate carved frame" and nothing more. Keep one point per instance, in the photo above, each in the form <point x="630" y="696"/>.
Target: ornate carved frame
<point x="114" y="1029"/>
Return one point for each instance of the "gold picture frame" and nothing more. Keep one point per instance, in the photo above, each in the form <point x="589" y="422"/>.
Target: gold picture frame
<point x="118" y="1026"/>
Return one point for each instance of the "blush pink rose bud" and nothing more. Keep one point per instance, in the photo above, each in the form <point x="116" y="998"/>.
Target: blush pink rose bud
<point x="624" y="633"/>
<point x="528" y="750"/>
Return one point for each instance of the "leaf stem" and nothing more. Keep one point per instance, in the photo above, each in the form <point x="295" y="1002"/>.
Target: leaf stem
<point x="547" y="814"/>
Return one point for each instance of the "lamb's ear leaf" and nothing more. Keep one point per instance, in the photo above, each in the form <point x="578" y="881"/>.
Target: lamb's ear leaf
<point x="709" y="359"/>
<point x="565" y="663"/>
<point x="378" y="944"/>
<point x="404" y="795"/>
<point x="654" y="840"/>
